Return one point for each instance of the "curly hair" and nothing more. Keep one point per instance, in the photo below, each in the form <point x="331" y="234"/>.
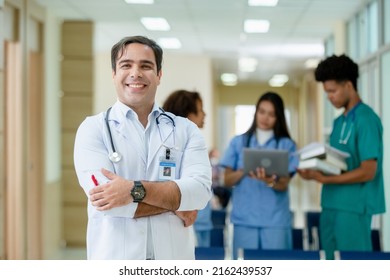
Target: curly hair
<point x="339" y="68"/>
<point x="182" y="102"/>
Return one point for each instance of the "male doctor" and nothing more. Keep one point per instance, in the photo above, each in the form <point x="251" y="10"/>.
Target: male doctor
<point x="135" y="209"/>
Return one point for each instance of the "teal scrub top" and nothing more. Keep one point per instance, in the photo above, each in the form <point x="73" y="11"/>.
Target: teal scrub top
<point x="360" y="134"/>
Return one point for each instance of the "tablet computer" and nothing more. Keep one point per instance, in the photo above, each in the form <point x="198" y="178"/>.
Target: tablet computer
<point x="273" y="161"/>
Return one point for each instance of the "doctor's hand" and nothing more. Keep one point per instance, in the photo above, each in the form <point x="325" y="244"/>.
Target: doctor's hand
<point x="112" y="194"/>
<point x="188" y="217"/>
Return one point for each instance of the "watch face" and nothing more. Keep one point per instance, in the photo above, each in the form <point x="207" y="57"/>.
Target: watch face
<point x="138" y="192"/>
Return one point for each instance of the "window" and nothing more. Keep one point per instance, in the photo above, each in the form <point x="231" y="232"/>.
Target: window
<point x="386" y="11"/>
<point x="372" y="28"/>
<point x="352" y="38"/>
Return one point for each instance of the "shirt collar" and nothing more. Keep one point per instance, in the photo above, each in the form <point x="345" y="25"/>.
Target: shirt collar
<point x="124" y="111"/>
<point x="353" y="111"/>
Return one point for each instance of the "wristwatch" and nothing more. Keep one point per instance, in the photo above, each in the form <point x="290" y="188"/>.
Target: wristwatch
<point x="138" y="192"/>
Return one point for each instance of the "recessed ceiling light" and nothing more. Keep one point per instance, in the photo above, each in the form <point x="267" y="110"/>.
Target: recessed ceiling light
<point x="278" y="80"/>
<point x="247" y="64"/>
<point x="312" y="63"/>
<point x="139" y="1"/>
<point x="229" y="79"/>
<point x="169" y="43"/>
<point x="256" y="26"/>
<point x="155" y="24"/>
<point x="270" y="3"/>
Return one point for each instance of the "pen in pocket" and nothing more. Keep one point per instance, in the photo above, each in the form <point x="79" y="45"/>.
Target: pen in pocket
<point x="94" y="180"/>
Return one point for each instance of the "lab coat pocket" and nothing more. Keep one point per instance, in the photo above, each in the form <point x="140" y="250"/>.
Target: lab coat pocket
<point x="182" y="239"/>
<point x="105" y="238"/>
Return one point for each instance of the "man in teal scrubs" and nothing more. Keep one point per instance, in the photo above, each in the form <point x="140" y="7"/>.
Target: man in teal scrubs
<point x="350" y="199"/>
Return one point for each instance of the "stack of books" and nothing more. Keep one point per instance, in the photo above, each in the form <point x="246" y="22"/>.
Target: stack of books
<point x="322" y="157"/>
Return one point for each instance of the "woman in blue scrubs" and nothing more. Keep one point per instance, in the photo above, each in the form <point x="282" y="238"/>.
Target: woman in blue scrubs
<point x="260" y="204"/>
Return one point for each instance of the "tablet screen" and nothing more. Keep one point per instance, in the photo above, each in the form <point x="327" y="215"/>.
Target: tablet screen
<point x="273" y="161"/>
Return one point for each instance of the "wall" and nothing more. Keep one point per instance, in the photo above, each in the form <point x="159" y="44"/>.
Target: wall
<point x="77" y="87"/>
<point x="52" y="205"/>
<point x="2" y="221"/>
<point x="249" y="93"/>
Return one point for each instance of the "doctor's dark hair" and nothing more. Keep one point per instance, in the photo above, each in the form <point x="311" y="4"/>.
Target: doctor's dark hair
<point x="118" y="49"/>
<point x="339" y="68"/>
<point x="280" y="128"/>
<point x="182" y="102"/>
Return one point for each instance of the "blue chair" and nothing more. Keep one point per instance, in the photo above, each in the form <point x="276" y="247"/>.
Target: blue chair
<point x="217" y="237"/>
<point x="362" y="255"/>
<point x="219" y="218"/>
<point x="297" y="238"/>
<point x="254" y="254"/>
<point x="209" y="253"/>
<point x="376" y="240"/>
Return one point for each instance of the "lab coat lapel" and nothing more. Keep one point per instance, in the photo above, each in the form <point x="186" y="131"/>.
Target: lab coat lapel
<point x="124" y="131"/>
<point x="156" y="141"/>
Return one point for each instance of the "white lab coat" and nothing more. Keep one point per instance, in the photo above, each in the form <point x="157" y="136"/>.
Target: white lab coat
<point x="115" y="234"/>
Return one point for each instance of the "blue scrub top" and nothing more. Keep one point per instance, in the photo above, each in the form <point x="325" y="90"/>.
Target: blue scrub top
<point x="362" y="138"/>
<point x="254" y="203"/>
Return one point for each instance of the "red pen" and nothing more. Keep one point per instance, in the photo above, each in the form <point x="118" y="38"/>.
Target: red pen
<point x="94" y="180"/>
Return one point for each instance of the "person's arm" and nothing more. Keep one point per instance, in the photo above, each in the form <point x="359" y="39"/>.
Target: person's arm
<point x="146" y="210"/>
<point x="163" y="195"/>
<point x="232" y="177"/>
<point x="90" y="156"/>
<point x="365" y="172"/>
<point x="160" y="197"/>
<point x="280" y="184"/>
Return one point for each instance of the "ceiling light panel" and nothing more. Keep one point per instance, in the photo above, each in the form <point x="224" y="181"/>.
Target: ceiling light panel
<point x="155" y="23"/>
<point x="169" y="43"/>
<point x="229" y="79"/>
<point x="148" y="2"/>
<point x="256" y="26"/>
<point x="269" y="3"/>
<point x="247" y="64"/>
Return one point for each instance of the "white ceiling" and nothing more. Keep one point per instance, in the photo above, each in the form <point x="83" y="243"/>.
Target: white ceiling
<point x="215" y="28"/>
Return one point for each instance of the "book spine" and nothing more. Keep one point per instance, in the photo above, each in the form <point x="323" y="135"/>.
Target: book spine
<point x="313" y="153"/>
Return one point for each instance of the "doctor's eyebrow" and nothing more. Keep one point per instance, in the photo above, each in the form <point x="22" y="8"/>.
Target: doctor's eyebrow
<point x="142" y="62"/>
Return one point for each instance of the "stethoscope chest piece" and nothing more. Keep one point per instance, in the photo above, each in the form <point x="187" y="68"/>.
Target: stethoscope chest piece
<point x="115" y="157"/>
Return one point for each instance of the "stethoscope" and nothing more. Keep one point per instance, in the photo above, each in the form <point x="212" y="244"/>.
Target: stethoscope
<point x="115" y="156"/>
<point x="343" y="139"/>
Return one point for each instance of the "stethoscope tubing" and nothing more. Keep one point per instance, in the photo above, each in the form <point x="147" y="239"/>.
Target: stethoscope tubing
<point x="115" y="156"/>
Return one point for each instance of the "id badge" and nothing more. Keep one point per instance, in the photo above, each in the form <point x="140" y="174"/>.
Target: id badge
<point x="167" y="169"/>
